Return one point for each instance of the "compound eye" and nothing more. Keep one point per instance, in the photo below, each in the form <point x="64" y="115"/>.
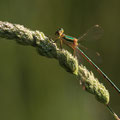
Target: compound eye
<point x="57" y="33"/>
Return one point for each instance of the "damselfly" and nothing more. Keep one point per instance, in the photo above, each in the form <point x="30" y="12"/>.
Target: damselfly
<point x="74" y="43"/>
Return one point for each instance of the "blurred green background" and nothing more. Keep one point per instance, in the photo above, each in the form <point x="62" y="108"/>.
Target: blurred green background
<point x="33" y="87"/>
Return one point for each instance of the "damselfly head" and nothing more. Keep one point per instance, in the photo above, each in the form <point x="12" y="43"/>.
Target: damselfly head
<point x="59" y="32"/>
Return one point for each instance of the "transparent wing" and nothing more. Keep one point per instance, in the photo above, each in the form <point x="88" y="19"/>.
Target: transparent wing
<point x="94" y="33"/>
<point x="95" y="56"/>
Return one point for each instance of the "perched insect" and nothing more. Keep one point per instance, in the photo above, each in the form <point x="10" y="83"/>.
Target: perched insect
<point x="74" y="43"/>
